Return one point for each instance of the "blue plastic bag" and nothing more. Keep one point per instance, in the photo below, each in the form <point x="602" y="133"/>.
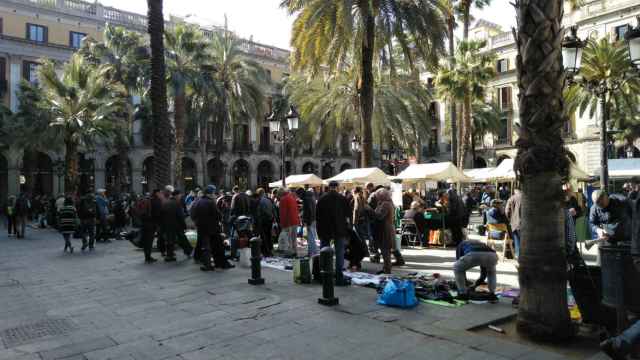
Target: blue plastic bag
<point x="398" y="293"/>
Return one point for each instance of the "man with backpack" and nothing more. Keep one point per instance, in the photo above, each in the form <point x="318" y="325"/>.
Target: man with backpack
<point x="144" y="211"/>
<point x="87" y="214"/>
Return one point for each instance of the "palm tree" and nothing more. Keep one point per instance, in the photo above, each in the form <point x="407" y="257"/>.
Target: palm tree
<point x="185" y="49"/>
<point x="84" y="106"/>
<point x="242" y="84"/>
<point x="126" y="61"/>
<point x="448" y="9"/>
<point x="330" y="32"/>
<point x="464" y="8"/>
<point x="466" y="84"/>
<point x="541" y="165"/>
<point x="162" y="132"/>
<point x="486" y="120"/>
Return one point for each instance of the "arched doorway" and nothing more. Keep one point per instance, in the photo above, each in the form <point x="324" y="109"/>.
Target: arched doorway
<point x="36" y="175"/>
<point x="147" y="173"/>
<point x="479" y="163"/>
<point x="112" y="173"/>
<point x="327" y="171"/>
<point x="216" y="171"/>
<point x="86" y="174"/>
<point x="265" y="174"/>
<point x="309" y="168"/>
<point x="501" y="158"/>
<point x="240" y="174"/>
<point x="4" y="178"/>
<point x="189" y="174"/>
<point x="345" y="166"/>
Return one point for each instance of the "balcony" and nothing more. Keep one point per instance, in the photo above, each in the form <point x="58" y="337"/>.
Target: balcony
<point x="216" y="148"/>
<point x="503" y="39"/>
<point x="242" y="148"/>
<point x="265" y="148"/>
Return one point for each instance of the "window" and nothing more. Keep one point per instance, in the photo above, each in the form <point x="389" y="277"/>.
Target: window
<point x="75" y="39"/>
<point x="268" y="72"/>
<point x="3" y="78"/>
<point x="30" y="71"/>
<point x="502" y="65"/>
<point x="503" y="134"/>
<point x="241" y="141"/>
<point x="37" y="33"/>
<point x="505" y="98"/>
<point x="1" y="26"/>
<point x="620" y="31"/>
<point x="265" y="138"/>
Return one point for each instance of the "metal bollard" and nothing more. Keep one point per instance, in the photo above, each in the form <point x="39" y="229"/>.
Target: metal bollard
<point x="315" y="269"/>
<point x="256" y="257"/>
<point x="326" y="269"/>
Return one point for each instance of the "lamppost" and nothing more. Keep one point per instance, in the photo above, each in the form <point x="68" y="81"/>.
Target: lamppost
<point x="59" y="168"/>
<point x="356" y="148"/>
<point x="572" y="48"/>
<point x="284" y="134"/>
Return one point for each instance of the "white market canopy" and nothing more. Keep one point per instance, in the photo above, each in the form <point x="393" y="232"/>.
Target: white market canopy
<point x="300" y="180"/>
<point x="505" y="172"/>
<point x="479" y="175"/>
<point x="444" y="171"/>
<point x="361" y="177"/>
<point x="624" y="168"/>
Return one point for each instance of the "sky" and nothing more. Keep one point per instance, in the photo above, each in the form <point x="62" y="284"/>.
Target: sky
<point x="264" y="20"/>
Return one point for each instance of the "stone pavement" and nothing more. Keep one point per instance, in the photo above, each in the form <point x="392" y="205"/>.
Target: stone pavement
<point x="110" y="305"/>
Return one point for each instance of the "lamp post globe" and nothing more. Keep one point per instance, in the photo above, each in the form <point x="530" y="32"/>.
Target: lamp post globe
<point x="572" y="48"/>
<point x="633" y="42"/>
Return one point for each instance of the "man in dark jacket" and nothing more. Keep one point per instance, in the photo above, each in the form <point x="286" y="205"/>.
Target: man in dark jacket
<point x="332" y="217"/>
<point x="207" y="218"/>
<point x="610" y="217"/>
<point x="145" y="211"/>
<point x="308" y="198"/>
<point x="172" y="217"/>
<point x="157" y="198"/>
<point x="87" y="214"/>
<point x="264" y="221"/>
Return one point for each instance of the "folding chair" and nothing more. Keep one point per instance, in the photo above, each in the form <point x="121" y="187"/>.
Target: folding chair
<point x="409" y="232"/>
<point x="507" y="240"/>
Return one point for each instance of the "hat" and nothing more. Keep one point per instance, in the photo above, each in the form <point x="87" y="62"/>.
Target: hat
<point x="210" y="189"/>
<point x="169" y="188"/>
<point x="333" y="184"/>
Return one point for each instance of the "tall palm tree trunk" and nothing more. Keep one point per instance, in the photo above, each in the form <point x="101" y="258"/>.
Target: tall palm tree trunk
<point x="541" y="164"/>
<point x="162" y="133"/>
<point x="466" y="18"/>
<point x="71" y="160"/>
<point x="179" y="123"/>
<point x="452" y="104"/>
<point x="366" y="88"/>
<point x="466" y="130"/>
<point x="204" y="137"/>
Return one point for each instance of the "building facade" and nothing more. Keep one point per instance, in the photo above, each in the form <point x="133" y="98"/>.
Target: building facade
<point x="595" y="19"/>
<point x="32" y="30"/>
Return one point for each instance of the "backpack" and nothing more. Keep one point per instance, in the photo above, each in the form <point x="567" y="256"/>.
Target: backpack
<point x="87" y="209"/>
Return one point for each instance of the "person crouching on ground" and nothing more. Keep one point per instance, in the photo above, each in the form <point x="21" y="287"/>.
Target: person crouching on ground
<point x="67" y="222"/>
<point x="472" y="253"/>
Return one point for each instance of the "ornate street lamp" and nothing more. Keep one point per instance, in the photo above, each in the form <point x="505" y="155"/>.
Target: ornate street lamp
<point x="572" y="61"/>
<point x="59" y="167"/>
<point x="356" y="148"/>
<point x="284" y="130"/>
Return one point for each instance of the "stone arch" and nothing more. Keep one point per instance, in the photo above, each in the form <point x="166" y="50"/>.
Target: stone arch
<point x="501" y="158"/>
<point x="479" y="162"/>
<point x="240" y="174"/>
<point x="327" y="170"/>
<point x="309" y="168"/>
<point x="111" y="170"/>
<point x="265" y="174"/>
<point x="345" y="166"/>
<point x="216" y="172"/>
<point x="189" y="174"/>
<point x="36" y="173"/>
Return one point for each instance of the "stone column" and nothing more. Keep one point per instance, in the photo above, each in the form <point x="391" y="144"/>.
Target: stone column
<point x="136" y="180"/>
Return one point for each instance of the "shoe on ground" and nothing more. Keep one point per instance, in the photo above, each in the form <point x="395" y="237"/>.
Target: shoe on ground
<point x="150" y="260"/>
<point x="493" y="299"/>
<point x="462" y="297"/>
<point x="207" y="268"/>
<point x="375" y="259"/>
<point x="399" y="262"/>
<point x="170" y="259"/>
<point x="226" y="265"/>
<point x="608" y="348"/>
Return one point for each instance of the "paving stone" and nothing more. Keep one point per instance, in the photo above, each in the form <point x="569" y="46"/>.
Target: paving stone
<point x="78" y="348"/>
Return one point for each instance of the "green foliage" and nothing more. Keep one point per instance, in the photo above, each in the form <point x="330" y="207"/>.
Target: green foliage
<point x="487" y="119"/>
<point x="185" y="49"/>
<point x="607" y="63"/>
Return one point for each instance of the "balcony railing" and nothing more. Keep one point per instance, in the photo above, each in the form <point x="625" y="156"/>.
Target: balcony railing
<point x="242" y="147"/>
<point x="501" y="39"/>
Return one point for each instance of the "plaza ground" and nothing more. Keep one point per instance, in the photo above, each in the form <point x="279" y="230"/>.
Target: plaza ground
<point x="110" y="305"/>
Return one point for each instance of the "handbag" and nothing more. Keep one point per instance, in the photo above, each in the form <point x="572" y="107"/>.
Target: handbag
<point x="398" y="293"/>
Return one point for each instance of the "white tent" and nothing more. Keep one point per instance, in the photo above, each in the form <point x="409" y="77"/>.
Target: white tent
<point x="300" y="180"/>
<point x="505" y="172"/>
<point x="480" y="175"/>
<point x="624" y="168"/>
<point x="444" y="171"/>
<point x="361" y="177"/>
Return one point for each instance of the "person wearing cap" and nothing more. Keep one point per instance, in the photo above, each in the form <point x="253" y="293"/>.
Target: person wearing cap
<point x="332" y="219"/>
<point x="207" y="218"/>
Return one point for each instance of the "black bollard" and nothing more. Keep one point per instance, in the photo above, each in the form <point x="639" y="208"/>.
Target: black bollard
<point x="256" y="257"/>
<point x="326" y="269"/>
<point x="315" y="269"/>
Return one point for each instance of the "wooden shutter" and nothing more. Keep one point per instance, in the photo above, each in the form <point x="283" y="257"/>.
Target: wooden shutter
<point x="45" y="32"/>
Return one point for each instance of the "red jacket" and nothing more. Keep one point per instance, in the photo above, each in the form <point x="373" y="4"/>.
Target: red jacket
<point x="289" y="211"/>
